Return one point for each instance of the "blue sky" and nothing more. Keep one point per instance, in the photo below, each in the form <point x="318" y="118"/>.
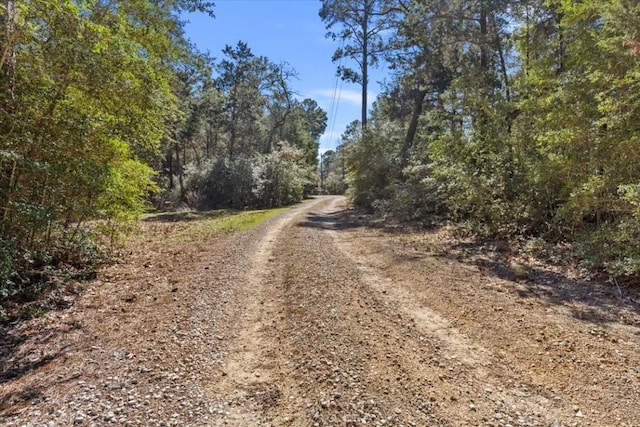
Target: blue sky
<point x="287" y="31"/>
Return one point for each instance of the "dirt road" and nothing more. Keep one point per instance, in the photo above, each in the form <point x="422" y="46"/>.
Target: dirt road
<point x="312" y="320"/>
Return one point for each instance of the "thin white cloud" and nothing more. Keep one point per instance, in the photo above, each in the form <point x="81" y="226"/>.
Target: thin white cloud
<point x="347" y="95"/>
<point x="344" y="112"/>
<point x="351" y="96"/>
<point x="330" y="139"/>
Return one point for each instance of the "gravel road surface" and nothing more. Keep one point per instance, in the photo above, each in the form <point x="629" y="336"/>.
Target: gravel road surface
<point x="313" y="320"/>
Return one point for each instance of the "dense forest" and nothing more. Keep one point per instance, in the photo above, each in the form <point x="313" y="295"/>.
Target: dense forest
<point x="516" y="119"/>
<point x="513" y="119"/>
<point x="106" y="110"/>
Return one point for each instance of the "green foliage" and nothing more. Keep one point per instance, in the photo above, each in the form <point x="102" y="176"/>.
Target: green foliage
<point x="519" y="119"/>
<point x="282" y="178"/>
<point x="246" y="141"/>
<point x="224" y="183"/>
<point x="218" y="223"/>
<point x="8" y="269"/>
<point x="275" y="179"/>
<point x="372" y="166"/>
<point x="85" y="94"/>
<point x="333" y="171"/>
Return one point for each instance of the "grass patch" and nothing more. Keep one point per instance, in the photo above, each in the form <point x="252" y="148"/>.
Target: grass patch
<point x="188" y="216"/>
<point x="203" y="225"/>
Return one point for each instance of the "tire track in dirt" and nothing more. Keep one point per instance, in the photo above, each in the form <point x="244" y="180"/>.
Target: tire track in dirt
<point x="481" y="364"/>
<point x="474" y="355"/>
<point x="251" y="383"/>
<point x="351" y="356"/>
<point x="327" y="339"/>
<point x="332" y="336"/>
<point x="517" y="396"/>
<point x="304" y="321"/>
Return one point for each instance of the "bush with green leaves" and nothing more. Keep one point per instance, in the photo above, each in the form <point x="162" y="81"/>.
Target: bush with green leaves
<point x="282" y="178"/>
<point x="373" y="164"/>
<point x="518" y="121"/>
<point x="85" y="98"/>
<point x="260" y="181"/>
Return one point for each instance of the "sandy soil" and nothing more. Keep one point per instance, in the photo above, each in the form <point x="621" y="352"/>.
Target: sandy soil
<point x="312" y="319"/>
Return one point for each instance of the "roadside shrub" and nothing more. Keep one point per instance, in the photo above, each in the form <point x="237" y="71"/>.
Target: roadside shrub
<point x="262" y="180"/>
<point x="371" y="169"/>
<point x="416" y="198"/>
<point x="228" y="183"/>
<point x="282" y="179"/>
<point x="614" y="246"/>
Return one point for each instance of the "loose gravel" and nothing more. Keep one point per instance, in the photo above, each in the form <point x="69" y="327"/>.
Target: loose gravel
<point x="313" y="320"/>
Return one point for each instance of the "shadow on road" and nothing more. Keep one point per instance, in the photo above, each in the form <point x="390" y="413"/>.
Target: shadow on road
<point x="339" y="220"/>
<point x="24" y="351"/>
<point x="596" y="301"/>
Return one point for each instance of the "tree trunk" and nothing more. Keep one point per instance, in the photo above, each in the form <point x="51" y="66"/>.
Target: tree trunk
<point x="503" y="63"/>
<point x="180" y="170"/>
<point x="8" y="58"/>
<point x="420" y="94"/>
<point x="365" y="62"/>
<point x="8" y="54"/>
<point x="169" y="165"/>
<point x="484" y="63"/>
<point x="481" y="121"/>
<point x="13" y="177"/>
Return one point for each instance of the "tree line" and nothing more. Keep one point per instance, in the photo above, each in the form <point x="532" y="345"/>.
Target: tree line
<point x="515" y="118"/>
<point x="106" y="108"/>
